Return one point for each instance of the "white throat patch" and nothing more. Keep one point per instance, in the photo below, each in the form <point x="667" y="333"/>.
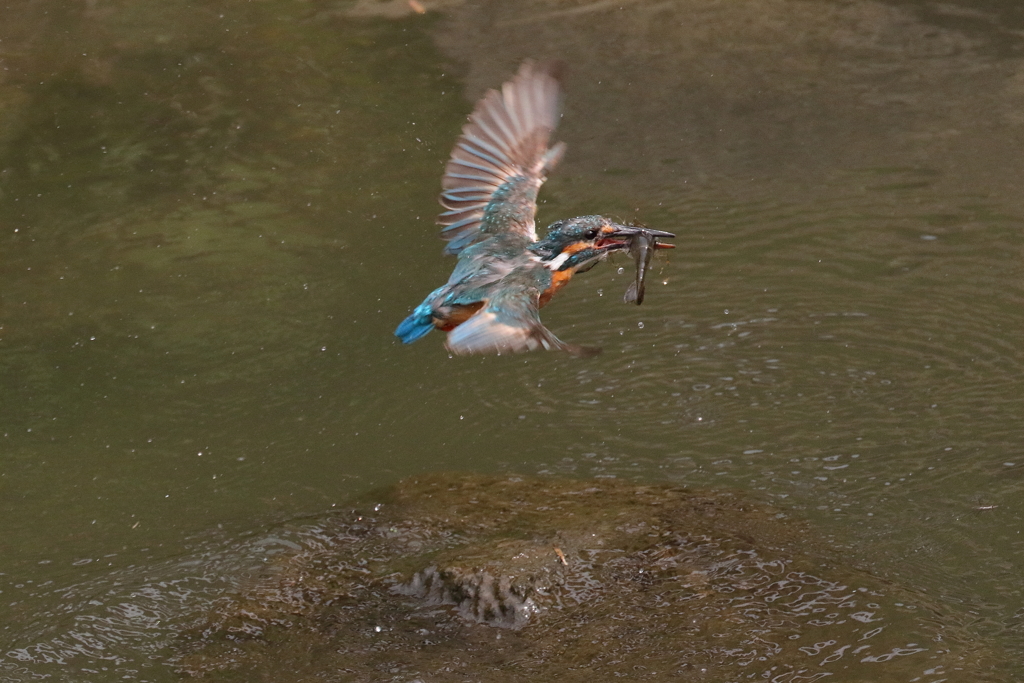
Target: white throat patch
<point x="558" y="261"/>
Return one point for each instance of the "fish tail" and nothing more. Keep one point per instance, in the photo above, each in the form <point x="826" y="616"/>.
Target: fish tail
<point x="630" y="296"/>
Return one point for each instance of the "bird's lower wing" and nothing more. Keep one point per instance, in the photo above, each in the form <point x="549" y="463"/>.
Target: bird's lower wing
<point x="502" y="156"/>
<point x="509" y="323"/>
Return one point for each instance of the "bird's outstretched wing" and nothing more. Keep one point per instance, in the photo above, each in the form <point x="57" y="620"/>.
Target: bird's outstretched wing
<point x="509" y="323"/>
<point x="501" y="159"/>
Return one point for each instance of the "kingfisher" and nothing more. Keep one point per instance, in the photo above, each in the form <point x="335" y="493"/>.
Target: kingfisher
<point x="505" y="273"/>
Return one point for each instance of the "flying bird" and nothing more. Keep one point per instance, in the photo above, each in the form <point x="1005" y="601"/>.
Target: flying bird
<point x="505" y="274"/>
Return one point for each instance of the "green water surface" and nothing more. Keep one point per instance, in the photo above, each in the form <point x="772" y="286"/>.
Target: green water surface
<point x="213" y="215"/>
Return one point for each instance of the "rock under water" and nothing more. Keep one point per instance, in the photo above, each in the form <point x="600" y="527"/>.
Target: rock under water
<point x="468" y="577"/>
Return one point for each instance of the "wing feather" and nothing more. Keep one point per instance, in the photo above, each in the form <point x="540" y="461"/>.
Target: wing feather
<point x="503" y="147"/>
<point x="458" y="178"/>
<point x="495" y="173"/>
<point x="461" y="203"/>
<point x="485" y="130"/>
<point x="509" y="323"/>
<point x="467" y="215"/>
<point x="459" y="224"/>
<point x="499" y="156"/>
<point x="477" y="149"/>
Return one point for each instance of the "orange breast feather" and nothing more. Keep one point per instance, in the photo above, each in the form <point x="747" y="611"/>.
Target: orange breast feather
<point x="453" y="316"/>
<point x="560" y="278"/>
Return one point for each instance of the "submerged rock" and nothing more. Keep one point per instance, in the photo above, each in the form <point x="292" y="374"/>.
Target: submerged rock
<point x="465" y="578"/>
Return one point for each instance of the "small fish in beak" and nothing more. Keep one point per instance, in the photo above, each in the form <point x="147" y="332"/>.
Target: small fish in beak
<point x="642" y="243"/>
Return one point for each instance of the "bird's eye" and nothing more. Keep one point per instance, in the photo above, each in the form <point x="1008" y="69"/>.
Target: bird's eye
<point x="591" y="234"/>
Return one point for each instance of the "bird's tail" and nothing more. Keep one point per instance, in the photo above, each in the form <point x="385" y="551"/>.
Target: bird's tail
<point x="419" y="322"/>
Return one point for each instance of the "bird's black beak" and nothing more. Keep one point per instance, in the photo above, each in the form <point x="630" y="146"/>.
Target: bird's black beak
<point x="630" y="230"/>
<point x="621" y="236"/>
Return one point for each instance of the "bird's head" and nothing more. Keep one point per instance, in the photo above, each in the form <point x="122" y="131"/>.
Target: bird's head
<point x="580" y="243"/>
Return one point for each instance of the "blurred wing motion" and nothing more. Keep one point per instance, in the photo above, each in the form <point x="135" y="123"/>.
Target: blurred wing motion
<point x="509" y="323"/>
<point x="502" y="157"/>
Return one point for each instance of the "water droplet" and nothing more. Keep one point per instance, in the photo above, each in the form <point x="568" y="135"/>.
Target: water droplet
<point x="621" y="270"/>
<point x="640" y="325"/>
